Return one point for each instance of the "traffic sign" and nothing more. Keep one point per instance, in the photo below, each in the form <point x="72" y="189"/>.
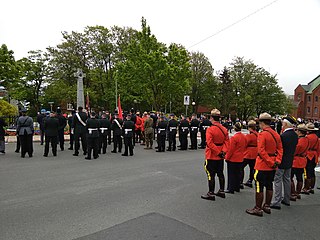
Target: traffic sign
<point x="187" y="100"/>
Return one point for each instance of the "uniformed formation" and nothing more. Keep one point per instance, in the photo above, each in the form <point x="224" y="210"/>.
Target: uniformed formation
<point x="271" y="158"/>
<point x="274" y="161"/>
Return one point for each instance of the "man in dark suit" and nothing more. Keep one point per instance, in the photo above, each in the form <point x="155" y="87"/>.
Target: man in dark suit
<point x="79" y="129"/>
<point x="128" y="130"/>
<point x="104" y="131"/>
<point x="62" y="124"/>
<point x="92" y="128"/>
<point x="283" y="174"/>
<point x="116" y="127"/>
<point x="50" y="127"/>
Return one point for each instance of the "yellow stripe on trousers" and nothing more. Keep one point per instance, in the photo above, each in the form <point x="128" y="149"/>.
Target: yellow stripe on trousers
<point x="205" y="168"/>
<point x="257" y="183"/>
<point x="305" y="173"/>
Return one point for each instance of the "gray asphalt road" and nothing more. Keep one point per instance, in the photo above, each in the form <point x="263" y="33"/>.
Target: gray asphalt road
<point x="148" y="196"/>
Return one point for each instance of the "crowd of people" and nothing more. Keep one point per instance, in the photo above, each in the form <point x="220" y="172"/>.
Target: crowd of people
<point x="281" y="154"/>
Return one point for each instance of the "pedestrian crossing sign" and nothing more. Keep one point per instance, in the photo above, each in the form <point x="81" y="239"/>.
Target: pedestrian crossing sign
<point x="186" y="100"/>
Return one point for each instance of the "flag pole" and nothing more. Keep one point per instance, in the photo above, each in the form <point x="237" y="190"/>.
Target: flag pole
<point x="116" y="94"/>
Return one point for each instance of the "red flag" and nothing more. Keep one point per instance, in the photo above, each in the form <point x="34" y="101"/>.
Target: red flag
<point x="88" y="102"/>
<point x="119" y="108"/>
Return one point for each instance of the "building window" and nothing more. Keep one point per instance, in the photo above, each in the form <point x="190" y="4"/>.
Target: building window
<point x="316" y="98"/>
<point x="309" y="98"/>
<point x="299" y="97"/>
<point x="308" y="109"/>
<point x="315" y="110"/>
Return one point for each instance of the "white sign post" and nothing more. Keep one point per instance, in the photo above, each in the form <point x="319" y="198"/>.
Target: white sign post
<point x="186" y="100"/>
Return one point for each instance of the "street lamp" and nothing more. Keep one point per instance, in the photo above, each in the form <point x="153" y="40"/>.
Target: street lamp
<point x="51" y="104"/>
<point x="193" y="106"/>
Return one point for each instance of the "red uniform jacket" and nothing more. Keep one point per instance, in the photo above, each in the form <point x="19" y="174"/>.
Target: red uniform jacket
<point x="313" y="151"/>
<point x="237" y="147"/>
<point x="269" y="150"/>
<point x="300" y="156"/>
<point x="217" y="139"/>
<point x="138" y="123"/>
<point x="252" y="145"/>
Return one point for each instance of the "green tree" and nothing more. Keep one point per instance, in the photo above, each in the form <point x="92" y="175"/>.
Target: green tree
<point x="6" y="109"/>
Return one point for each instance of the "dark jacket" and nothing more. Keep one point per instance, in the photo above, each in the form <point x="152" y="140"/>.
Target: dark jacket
<point x="117" y="131"/>
<point x="194" y="125"/>
<point x="51" y="126"/>
<point x="40" y="118"/>
<point x="77" y="125"/>
<point x="25" y="125"/>
<point x="205" y="123"/>
<point x="105" y="126"/>
<point x="184" y="127"/>
<point x="173" y="126"/>
<point x="128" y="128"/>
<point x="2" y="132"/>
<point x="92" y="128"/>
<point x="162" y="128"/>
<point x="62" y="122"/>
<point x="289" y="142"/>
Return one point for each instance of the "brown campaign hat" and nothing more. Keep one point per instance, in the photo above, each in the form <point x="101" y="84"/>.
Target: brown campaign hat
<point x="252" y="123"/>
<point x="215" y="112"/>
<point x="302" y="127"/>
<point x="265" y="116"/>
<point x="311" y="127"/>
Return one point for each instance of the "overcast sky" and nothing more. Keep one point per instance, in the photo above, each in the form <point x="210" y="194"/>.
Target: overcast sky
<point x="284" y="37"/>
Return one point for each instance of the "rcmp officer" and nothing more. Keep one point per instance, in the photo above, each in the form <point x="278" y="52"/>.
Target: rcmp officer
<point x="92" y="128"/>
<point x="194" y="128"/>
<point x="105" y="126"/>
<point x="250" y="153"/>
<point x="148" y="132"/>
<point x="269" y="157"/>
<point x="62" y="124"/>
<point x="217" y="139"/>
<point x="79" y="129"/>
<point x="40" y="118"/>
<point x="161" y="137"/>
<point x="204" y="125"/>
<point x="172" y="133"/>
<point x="183" y="132"/>
<point x="128" y="133"/>
<point x="51" y="128"/>
<point x="116" y="127"/>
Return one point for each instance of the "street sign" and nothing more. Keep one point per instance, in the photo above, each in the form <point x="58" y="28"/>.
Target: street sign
<point x="187" y="100"/>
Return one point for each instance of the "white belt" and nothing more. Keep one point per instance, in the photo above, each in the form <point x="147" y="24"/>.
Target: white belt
<point x="103" y="129"/>
<point x="92" y="129"/>
<point x="205" y="127"/>
<point x="127" y="130"/>
<point x="173" y="128"/>
<point x="161" y="129"/>
<point x="184" y="128"/>
<point x="194" y="127"/>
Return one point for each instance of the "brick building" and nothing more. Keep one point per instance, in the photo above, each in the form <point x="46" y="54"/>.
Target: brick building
<point x="307" y="100"/>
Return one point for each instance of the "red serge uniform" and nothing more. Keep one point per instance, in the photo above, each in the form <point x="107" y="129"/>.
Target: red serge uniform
<point x="234" y="160"/>
<point x="251" y="152"/>
<point x="313" y="151"/>
<point x="269" y="150"/>
<point x="300" y="156"/>
<point x="237" y="148"/>
<point x="217" y="139"/>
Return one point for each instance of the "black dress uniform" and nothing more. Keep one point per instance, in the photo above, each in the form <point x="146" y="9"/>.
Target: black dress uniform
<point x="105" y="126"/>
<point x="70" y="119"/>
<point x="204" y="125"/>
<point x="183" y="133"/>
<point x="50" y="127"/>
<point x="116" y="127"/>
<point x="62" y="125"/>
<point x="194" y="128"/>
<point x="172" y="133"/>
<point x="92" y="128"/>
<point x="80" y="131"/>
<point x="161" y="137"/>
<point x="128" y="133"/>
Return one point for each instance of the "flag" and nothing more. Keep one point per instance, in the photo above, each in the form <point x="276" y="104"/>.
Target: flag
<point x="88" y="102"/>
<point x="119" y="108"/>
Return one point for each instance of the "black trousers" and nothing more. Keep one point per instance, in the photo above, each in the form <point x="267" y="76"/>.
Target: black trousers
<point x="77" y="137"/>
<point x="26" y="142"/>
<point x="172" y="141"/>
<point x="53" y="140"/>
<point x="134" y="138"/>
<point x="93" y="144"/>
<point x="71" y="140"/>
<point x="138" y="136"/>
<point x="103" y="143"/>
<point x="310" y="172"/>
<point x="18" y="146"/>
<point x="234" y="176"/>
<point x="161" y="142"/>
<point x="298" y="172"/>
<point x="41" y="136"/>
<point x="184" y="141"/>
<point x="128" y="147"/>
<point x="117" y="143"/>
<point x="251" y="163"/>
<point x="61" y="138"/>
<point x="203" y="139"/>
<point x="193" y="139"/>
<point x="109" y="137"/>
